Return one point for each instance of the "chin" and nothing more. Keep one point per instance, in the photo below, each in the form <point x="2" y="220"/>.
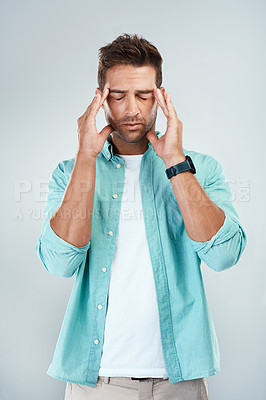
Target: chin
<point x="131" y="136"/>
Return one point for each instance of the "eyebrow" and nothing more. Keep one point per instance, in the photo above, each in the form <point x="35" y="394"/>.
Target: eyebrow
<point x="126" y="91"/>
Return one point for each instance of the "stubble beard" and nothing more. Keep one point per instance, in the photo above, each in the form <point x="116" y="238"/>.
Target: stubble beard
<point x="132" y="136"/>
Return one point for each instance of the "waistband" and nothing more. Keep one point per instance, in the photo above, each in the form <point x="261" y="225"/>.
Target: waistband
<point x="126" y="379"/>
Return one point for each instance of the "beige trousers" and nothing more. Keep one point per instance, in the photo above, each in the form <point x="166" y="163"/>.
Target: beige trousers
<point x="123" y="388"/>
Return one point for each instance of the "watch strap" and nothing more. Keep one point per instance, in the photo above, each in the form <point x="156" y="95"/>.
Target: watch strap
<point x="186" y="165"/>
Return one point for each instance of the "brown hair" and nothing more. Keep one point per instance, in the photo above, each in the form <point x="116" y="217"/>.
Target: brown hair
<point x="129" y="50"/>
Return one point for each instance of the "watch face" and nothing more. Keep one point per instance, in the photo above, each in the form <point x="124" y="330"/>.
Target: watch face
<point x="192" y="166"/>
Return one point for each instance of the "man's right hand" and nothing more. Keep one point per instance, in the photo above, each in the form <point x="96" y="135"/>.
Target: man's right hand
<point x="90" y="141"/>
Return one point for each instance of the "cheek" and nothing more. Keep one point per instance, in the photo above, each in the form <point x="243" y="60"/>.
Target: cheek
<point x="112" y="109"/>
<point x="154" y="106"/>
<point x="152" y="111"/>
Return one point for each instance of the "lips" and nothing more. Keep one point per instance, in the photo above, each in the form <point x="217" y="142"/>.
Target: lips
<point x="132" y="126"/>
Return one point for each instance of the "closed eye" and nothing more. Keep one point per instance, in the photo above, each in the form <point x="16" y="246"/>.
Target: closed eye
<point x="142" y="98"/>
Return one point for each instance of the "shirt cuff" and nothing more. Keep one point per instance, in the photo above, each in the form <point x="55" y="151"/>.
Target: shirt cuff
<point x="226" y="232"/>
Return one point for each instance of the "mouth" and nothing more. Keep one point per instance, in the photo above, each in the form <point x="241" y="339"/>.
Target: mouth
<point x="132" y="126"/>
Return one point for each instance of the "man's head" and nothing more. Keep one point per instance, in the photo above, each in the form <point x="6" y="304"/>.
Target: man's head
<point x="131" y="67"/>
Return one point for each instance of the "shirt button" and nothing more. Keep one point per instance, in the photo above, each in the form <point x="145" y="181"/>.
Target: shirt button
<point x="118" y="165"/>
<point x="114" y="196"/>
<point x="100" y="306"/>
<point x="96" y="341"/>
<point x="110" y="233"/>
<point x="104" y="269"/>
<point x="108" y="155"/>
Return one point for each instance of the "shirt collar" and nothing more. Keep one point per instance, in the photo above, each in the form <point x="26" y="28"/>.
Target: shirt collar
<point x="108" y="151"/>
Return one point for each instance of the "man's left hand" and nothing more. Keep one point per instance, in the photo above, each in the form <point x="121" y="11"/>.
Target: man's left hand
<point x="169" y="146"/>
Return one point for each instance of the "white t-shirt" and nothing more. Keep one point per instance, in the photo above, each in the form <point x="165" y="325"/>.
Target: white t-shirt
<point x="132" y="343"/>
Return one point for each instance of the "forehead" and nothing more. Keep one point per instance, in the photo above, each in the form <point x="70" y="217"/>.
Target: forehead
<point x="127" y="76"/>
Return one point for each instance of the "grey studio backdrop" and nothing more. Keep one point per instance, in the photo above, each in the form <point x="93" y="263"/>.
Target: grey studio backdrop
<point x="214" y="68"/>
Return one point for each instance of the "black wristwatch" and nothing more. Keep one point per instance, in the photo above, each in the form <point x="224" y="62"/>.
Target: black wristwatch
<point x="186" y="165"/>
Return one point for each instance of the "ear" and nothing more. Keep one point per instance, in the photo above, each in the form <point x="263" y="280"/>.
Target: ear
<point x="162" y="89"/>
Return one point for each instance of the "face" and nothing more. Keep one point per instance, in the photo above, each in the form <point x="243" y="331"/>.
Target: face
<point x="131" y="101"/>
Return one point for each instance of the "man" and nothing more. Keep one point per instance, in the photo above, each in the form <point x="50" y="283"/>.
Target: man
<point x="133" y="231"/>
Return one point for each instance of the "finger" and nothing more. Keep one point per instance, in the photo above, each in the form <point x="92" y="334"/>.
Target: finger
<point x="105" y="132"/>
<point x="93" y="104"/>
<point x="104" y="95"/>
<point x="104" y="88"/>
<point x="159" y="97"/>
<point x="96" y="104"/>
<point x="171" y="108"/>
<point x="150" y="135"/>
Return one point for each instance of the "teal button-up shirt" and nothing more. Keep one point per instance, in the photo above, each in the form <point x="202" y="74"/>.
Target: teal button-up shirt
<point x="187" y="329"/>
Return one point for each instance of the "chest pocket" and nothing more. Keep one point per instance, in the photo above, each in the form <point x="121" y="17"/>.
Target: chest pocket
<point x="174" y="217"/>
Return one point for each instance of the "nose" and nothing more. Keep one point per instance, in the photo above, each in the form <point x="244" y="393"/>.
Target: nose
<point x="131" y="106"/>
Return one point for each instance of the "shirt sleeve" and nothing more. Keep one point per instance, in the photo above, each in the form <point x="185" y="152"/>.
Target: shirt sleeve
<point x="224" y="249"/>
<point x="59" y="257"/>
